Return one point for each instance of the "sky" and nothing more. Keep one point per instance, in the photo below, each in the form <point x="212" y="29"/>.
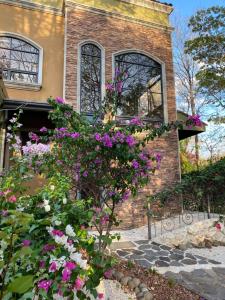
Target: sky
<point x="189" y="7"/>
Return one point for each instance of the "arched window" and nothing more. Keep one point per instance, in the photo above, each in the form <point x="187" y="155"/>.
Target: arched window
<point x="141" y="86"/>
<point x="90" y="78"/>
<point x="19" y="60"/>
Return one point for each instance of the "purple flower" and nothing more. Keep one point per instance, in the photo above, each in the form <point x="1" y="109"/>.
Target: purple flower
<point x="66" y="273"/>
<point x="109" y="87"/>
<point x="135" y="164"/>
<point x="53" y="267"/>
<point x="107" y="142"/>
<point x="26" y="243"/>
<point x="4" y="213"/>
<point x="97" y="137"/>
<point x="41" y="264"/>
<point x="34" y="137"/>
<point x="130" y="140"/>
<point x="142" y="156"/>
<point x="57" y="232"/>
<point x="70" y="265"/>
<point x="75" y="135"/>
<point x="48" y="248"/>
<point x="136" y="121"/>
<point x="59" y="100"/>
<point x="43" y="129"/>
<point x="126" y="195"/>
<point x="85" y="174"/>
<point x="45" y="284"/>
<point x="108" y="274"/>
<point x="97" y="161"/>
<point x="119" y="86"/>
<point x="119" y="136"/>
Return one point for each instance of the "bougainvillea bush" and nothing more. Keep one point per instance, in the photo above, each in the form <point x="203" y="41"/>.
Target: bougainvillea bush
<point x="46" y="251"/>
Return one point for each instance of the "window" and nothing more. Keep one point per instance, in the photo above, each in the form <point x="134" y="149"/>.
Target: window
<point x="19" y="60"/>
<point x="141" y="86"/>
<point x="90" y="79"/>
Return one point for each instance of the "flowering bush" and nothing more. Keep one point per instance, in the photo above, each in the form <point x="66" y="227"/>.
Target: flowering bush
<point x="88" y="168"/>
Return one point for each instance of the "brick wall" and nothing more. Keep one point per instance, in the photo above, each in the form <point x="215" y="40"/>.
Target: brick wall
<point x="118" y="35"/>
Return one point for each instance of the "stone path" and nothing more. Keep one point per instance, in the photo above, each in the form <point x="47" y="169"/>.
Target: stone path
<point x="204" y="276"/>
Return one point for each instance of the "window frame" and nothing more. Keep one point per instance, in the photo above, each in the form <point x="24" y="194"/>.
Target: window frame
<point x="163" y="77"/>
<point x="26" y="85"/>
<point x="102" y="49"/>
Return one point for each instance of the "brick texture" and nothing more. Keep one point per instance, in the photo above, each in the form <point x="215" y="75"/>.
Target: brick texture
<point x="119" y="35"/>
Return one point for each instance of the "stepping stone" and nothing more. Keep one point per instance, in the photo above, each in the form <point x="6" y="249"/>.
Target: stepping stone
<point x="144" y="263"/>
<point x="175" y="264"/>
<point x="177" y="251"/>
<point x="188" y="261"/>
<point x="163" y="253"/>
<point x="144" y="247"/>
<point x="133" y="256"/>
<point x="142" y="242"/>
<point x="214" y="262"/>
<point x="200" y="257"/>
<point x="190" y="256"/>
<point x="154" y="247"/>
<point x="122" y="253"/>
<point x="156" y="244"/>
<point x="202" y="262"/>
<point x="176" y="256"/>
<point x="164" y="247"/>
<point x="137" y="252"/>
<point x="150" y="258"/>
<point x="160" y="263"/>
<point x="151" y="253"/>
<point x="164" y="258"/>
<point x="121" y="245"/>
<point x="220" y="271"/>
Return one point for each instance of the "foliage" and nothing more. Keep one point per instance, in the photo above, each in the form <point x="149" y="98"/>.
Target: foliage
<point x="207" y="48"/>
<point x="197" y="187"/>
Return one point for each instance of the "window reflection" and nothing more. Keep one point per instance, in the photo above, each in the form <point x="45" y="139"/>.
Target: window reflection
<point x="19" y="60"/>
<point x="141" y="86"/>
<point x="90" y="89"/>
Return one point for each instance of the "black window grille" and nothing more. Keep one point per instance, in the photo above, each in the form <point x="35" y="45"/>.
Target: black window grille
<point x="141" y="86"/>
<point x="19" y="60"/>
<point x="91" y="79"/>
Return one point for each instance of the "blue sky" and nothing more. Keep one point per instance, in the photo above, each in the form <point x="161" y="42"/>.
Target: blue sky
<point x="188" y="7"/>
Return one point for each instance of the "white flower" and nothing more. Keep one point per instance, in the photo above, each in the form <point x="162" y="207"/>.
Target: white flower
<point x="47" y="208"/>
<point x="70" y="231"/>
<point x="52" y="187"/>
<point x="57" y="223"/>
<point x="46" y="202"/>
<point x="64" y="200"/>
<point x="62" y="240"/>
<point x="77" y="257"/>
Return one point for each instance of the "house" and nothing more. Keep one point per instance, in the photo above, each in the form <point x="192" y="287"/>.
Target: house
<point x="70" y="49"/>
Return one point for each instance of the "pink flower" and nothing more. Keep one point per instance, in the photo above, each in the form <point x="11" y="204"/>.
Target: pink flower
<point x="26" y="243"/>
<point x="45" y="284"/>
<point x="218" y="226"/>
<point x="12" y="199"/>
<point x="59" y="100"/>
<point x="70" y="242"/>
<point x="43" y="129"/>
<point x="75" y="135"/>
<point x="70" y="265"/>
<point x="66" y="273"/>
<point x="108" y="274"/>
<point x="79" y="283"/>
<point x="100" y="296"/>
<point x="57" y="232"/>
<point x="104" y="219"/>
<point x="53" y="267"/>
<point x="34" y="137"/>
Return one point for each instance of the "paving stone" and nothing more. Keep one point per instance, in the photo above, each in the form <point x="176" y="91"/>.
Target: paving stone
<point x="188" y="261"/>
<point x="176" y="256"/>
<point x="175" y="263"/>
<point x="190" y="256"/>
<point x="154" y="247"/>
<point x="122" y="253"/>
<point x="202" y="262"/>
<point x="137" y="252"/>
<point x="220" y="271"/>
<point x="133" y="256"/>
<point x="163" y="253"/>
<point x="177" y="251"/>
<point x="175" y="276"/>
<point x="144" y="247"/>
<point x="142" y="242"/>
<point x="200" y="257"/>
<point x="150" y="258"/>
<point x="164" y="247"/>
<point x="143" y="263"/>
<point x="160" y="263"/>
<point x="151" y="253"/>
<point x="214" y="262"/>
<point x="164" y="258"/>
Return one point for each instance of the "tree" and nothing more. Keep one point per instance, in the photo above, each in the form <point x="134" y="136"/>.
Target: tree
<point x="208" y="50"/>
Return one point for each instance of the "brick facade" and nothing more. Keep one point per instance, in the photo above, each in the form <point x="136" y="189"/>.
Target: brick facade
<point x="116" y="35"/>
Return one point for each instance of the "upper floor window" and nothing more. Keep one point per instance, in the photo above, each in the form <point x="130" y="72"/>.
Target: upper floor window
<point x="141" y="86"/>
<point x="90" y="78"/>
<point x="19" y="60"/>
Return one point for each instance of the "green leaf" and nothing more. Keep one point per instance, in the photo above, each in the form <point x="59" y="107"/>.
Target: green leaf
<point x="21" y="285"/>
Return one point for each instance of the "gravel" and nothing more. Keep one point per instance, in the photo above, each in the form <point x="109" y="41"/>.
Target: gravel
<point x="112" y="290"/>
<point x="215" y="253"/>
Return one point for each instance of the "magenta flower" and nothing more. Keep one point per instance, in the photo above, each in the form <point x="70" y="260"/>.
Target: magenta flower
<point x="136" y="121"/>
<point x="108" y="274"/>
<point x="135" y="164"/>
<point x="41" y="264"/>
<point x="43" y="129"/>
<point x="53" y="267"/>
<point x="45" y="284"/>
<point x="218" y="226"/>
<point x="70" y="265"/>
<point x="26" y="243"/>
<point x="59" y="100"/>
<point x="34" y="137"/>
<point x="109" y="87"/>
<point x="79" y="283"/>
<point x="57" y="232"/>
<point x="48" y="248"/>
<point x="97" y="137"/>
<point x="85" y="174"/>
<point x="75" y="135"/>
<point x="107" y="141"/>
<point x="66" y="273"/>
<point x="130" y="140"/>
<point x="100" y="296"/>
<point x="12" y="199"/>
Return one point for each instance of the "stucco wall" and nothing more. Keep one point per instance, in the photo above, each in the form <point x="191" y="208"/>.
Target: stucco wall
<point x="47" y="30"/>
